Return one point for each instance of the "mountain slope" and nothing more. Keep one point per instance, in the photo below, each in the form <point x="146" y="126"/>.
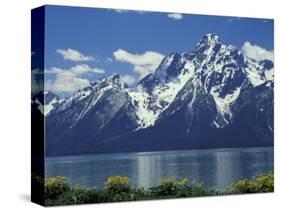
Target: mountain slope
<point x="45" y="102"/>
<point x="192" y="100"/>
<point x="100" y="110"/>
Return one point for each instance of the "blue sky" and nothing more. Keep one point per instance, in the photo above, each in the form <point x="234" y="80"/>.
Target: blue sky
<point x="89" y="43"/>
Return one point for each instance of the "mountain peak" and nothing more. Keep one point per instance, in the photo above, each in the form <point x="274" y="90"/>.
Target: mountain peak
<point x="212" y="88"/>
<point x="115" y="75"/>
<point x="209" y="43"/>
<point x="113" y="80"/>
<point x="208" y="40"/>
<point x="210" y="37"/>
<point x="116" y="80"/>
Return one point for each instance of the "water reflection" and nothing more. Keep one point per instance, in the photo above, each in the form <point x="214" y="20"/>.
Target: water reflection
<point x="227" y="168"/>
<point x="148" y="170"/>
<point x="215" y="168"/>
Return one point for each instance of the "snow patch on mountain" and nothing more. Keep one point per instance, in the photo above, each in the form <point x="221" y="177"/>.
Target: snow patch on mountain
<point x="77" y="106"/>
<point x="190" y="104"/>
<point x="95" y="98"/>
<point x="212" y="69"/>
<point x="223" y="105"/>
<point x="49" y="107"/>
<point x="168" y="92"/>
<point x="46" y="101"/>
<point x="83" y="94"/>
<point x="269" y="75"/>
<point x="257" y="73"/>
<point x="146" y="117"/>
<point x="40" y="106"/>
<point x="150" y="105"/>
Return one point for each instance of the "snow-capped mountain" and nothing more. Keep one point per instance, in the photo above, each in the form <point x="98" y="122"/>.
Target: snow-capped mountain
<point x="100" y="110"/>
<point x="45" y="101"/>
<point x="198" y="99"/>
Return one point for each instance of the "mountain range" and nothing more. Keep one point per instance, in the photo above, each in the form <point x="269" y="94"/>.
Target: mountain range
<point x="212" y="97"/>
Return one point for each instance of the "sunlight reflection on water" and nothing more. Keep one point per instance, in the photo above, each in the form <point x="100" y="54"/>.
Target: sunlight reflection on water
<point x="215" y="168"/>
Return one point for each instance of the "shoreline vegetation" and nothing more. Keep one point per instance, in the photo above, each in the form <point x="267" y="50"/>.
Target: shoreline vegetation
<point x="57" y="190"/>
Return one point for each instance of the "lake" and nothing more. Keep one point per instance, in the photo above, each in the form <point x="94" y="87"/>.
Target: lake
<point x="214" y="167"/>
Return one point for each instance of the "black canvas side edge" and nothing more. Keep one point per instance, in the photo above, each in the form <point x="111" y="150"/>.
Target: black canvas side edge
<point x="37" y="118"/>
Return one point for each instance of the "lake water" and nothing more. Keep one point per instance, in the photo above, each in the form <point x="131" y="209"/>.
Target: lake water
<point x="215" y="168"/>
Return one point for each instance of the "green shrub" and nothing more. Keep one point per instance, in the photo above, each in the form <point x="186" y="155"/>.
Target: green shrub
<point x="260" y="184"/>
<point x="77" y="195"/>
<point x="132" y="195"/>
<point x="139" y="194"/>
<point x="170" y="187"/>
<point x="117" y="184"/>
<point x="95" y="195"/>
<point x="198" y="189"/>
<point x="56" y="186"/>
<point x="118" y="188"/>
<point x="265" y="183"/>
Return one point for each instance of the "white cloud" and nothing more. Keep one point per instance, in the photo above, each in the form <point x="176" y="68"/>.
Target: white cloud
<point x="98" y="70"/>
<point x="84" y="68"/>
<point x="128" y="79"/>
<point x="144" y="70"/>
<point x="80" y="68"/>
<point x="77" y="69"/>
<point x="175" y="16"/>
<point x="36" y="85"/>
<point x="66" y="82"/>
<point x="143" y="63"/>
<point x="70" y="80"/>
<point x="109" y="59"/>
<point x="256" y="52"/>
<point x="74" y="55"/>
